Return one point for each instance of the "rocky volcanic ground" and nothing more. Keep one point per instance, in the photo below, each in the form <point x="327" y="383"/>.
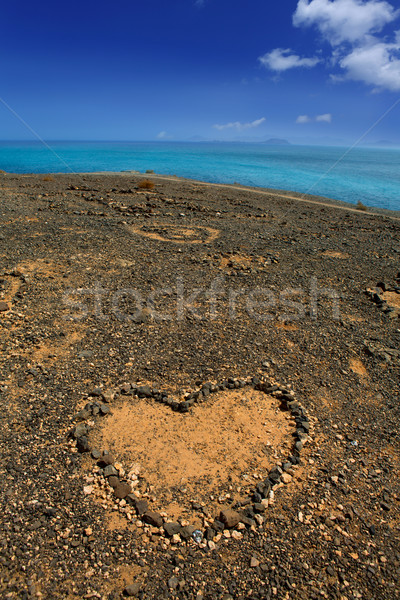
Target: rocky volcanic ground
<point x="106" y="285"/>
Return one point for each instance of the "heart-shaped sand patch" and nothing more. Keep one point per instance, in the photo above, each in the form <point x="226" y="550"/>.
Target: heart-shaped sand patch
<point x="215" y="456"/>
<point x="177" y="234"/>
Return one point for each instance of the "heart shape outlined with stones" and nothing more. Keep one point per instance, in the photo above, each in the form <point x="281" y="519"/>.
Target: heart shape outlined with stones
<point x="127" y="485"/>
<point x="176" y="234"/>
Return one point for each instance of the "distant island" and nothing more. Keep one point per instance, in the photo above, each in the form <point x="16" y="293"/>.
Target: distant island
<point x="269" y="142"/>
<point x="383" y="144"/>
<point x="276" y="142"/>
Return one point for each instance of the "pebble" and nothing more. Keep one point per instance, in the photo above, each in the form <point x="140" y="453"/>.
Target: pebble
<point x="113" y="481"/>
<point x="286" y="477"/>
<point x="122" y="490"/>
<point x="254" y="562"/>
<point x="172" y="528"/>
<point x="230" y="518"/>
<point x="107" y="459"/>
<point x="153" y="518"/>
<point x="80" y="430"/>
<point x="133" y="589"/>
<point x="108" y="396"/>
<point x="82" y="443"/>
<point x="4" y="306"/>
<point x="110" y="470"/>
<point x="173" y="583"/>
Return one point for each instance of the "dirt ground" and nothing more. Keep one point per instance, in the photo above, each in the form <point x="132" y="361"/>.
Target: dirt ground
<point x="104" y="286"/>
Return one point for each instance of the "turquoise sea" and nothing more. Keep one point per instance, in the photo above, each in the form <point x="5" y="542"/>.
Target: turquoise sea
<point x="371" y="175"/>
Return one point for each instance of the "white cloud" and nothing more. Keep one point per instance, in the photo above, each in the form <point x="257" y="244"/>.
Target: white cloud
<point x="325" y="118"/>
<point x="281" y="59"/>
<point x="163" y="135"/>
<point x="377" y="64"/>
<point x="344" y="20"/>
<point x="240" y="126"/>
<point x="352" y="29"/>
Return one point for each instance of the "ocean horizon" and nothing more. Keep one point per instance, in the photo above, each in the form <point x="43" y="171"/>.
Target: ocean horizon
<point x="370" y="175"/>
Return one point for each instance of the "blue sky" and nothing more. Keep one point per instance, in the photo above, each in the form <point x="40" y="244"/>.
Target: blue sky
<point x="305" y="70"/>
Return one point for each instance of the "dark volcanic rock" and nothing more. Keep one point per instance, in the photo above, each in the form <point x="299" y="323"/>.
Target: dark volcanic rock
<point x="122" y="490"/>
<point x="172" y="528"/>
<point x="229" y="518"/>
<point x="153" y="518"/>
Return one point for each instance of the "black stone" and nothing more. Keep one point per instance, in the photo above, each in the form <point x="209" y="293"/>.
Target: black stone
<point x="210" y="533"/>
<point x="96" y="392"/>
<point x="82" y="443"/>
<point x="144" y="391"/>
<point x="187" y="532"/>
<point x="172" y="528"/>
<point x="110" y="470"/>
<point x="153" y="518"/>
<point x="218" y="525"/>
<point x="79" y="430"/>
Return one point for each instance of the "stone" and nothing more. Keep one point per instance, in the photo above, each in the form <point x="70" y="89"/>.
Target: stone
<point x="230" y="518"/>
<point x="79" y="430"/>
<point x="172" y="528"/>
<point x="106" y="459"/>
<point x="133" y="589"/>
<point x="96" y="454"/>
<point x="4" y="306"/>
<point x="108" y="396"/>
<point x="110" y="470"/>
<point x="210" y="533"/>
<point x="141" y="507"/>
<point x="254" y="562"/>
<point x="187" y="531"/>
<point x="113" y="481"/>
<point x="286" y="478"/>
<point x="104" y="409"/>
<point x="82" y="443"/>
<point x="82" y="415"/>
<point x="176" y="539"/>
<point x="275" y="475"/>
<point x="173" y="582"/>
<point x="153" y="518"/>
<point x="96" y="392"/>
<point x="85" y="354"/>
<point x="299" y="446"/>
<point x="145" y="315"/>
<point x="122" y="490"/>
<point x="144" y="391"/>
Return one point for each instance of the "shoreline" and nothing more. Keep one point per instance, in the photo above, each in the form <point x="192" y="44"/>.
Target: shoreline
<point x="279" y="193"/>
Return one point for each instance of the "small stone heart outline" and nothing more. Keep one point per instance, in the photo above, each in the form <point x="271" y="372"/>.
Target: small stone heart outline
<point x="228" y="518"/>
